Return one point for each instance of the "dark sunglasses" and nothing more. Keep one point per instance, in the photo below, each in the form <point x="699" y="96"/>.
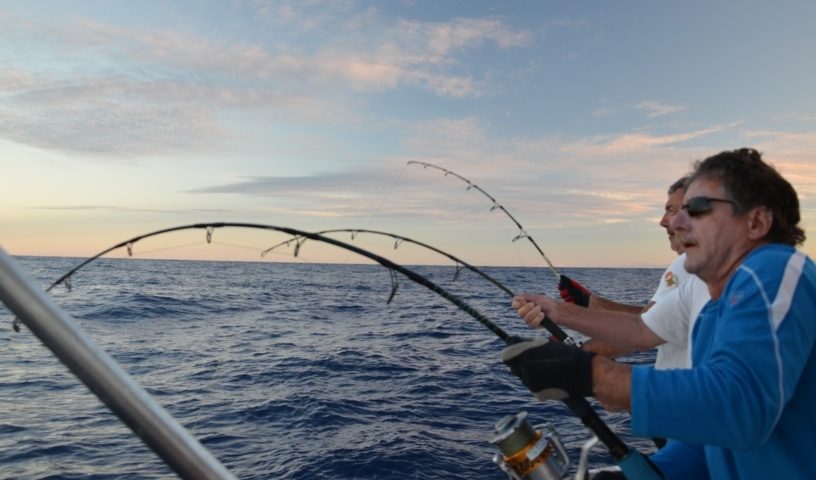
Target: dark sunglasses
<point x="696" y="206"/>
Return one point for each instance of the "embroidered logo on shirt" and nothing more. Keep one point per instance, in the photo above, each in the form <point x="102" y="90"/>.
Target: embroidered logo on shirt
<point x="671" y="280"/>
<point x="735" y="297"/>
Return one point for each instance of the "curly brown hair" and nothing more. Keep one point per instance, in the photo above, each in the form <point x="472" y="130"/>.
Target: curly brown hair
<point x="749" y="182"/>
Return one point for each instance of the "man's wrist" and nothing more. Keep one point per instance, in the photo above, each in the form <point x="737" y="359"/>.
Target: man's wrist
<point x="611" y="383"/>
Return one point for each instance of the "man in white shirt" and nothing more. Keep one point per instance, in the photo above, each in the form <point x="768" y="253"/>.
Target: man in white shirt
<point x="618" y="329"/>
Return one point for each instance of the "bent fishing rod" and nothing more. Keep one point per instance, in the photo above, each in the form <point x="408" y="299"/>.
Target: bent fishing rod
<point x="398" y="240"/>
<point x="210" y="228"/>
<point x="551" y="326"/>
<point x="496" y="206"/>
<point x="579" y="405"/>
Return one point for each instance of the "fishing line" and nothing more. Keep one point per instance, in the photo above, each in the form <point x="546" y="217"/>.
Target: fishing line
<point x="579" y="406"/>
<point x="551" y="326"/>
<point x="236" y="245"/>
<point x="165" y="249"/>
<point x="522" y="233"/>
<point x="385" y="197"/>
<point x="387" y="194"/>
<point x="398" y="240"/>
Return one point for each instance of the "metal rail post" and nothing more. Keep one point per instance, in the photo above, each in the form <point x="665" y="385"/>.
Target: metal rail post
<point x="179" y="449"/>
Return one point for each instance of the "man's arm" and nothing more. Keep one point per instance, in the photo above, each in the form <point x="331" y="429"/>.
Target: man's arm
<point x="611" y="384"/>
<point x="681" y="461"/>
<point x="604" y="349"/>
<point x="750" y="370"/>
<point x="597" y="302"/>
<point x="553" y="370"/>
<point x="573" y="292"/>
<point x="625" y="331"/>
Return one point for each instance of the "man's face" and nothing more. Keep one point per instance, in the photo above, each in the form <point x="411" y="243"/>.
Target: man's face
<point x="713" y="241"/>
<point x="673" y="204"/>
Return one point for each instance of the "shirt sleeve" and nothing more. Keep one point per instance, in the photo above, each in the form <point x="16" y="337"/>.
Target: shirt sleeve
<point x="669" y="318"/>
<point x="681" y="461"/>
<point x="674" y="275"/>
<point x="744" y="374"/>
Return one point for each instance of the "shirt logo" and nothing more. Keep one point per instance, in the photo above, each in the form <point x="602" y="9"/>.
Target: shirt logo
<point x="735" y="297"/>
<point x="671" y="280"/>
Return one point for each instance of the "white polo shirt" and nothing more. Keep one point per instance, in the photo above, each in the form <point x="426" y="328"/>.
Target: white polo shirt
<point x="678" y="300"/>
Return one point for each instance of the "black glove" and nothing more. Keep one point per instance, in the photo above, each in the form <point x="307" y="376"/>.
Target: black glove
<point x="551" y="370"/>
<point x="606" y="475"/>
<point x="573" y="292"/>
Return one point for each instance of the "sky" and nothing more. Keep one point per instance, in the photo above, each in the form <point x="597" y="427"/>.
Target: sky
<point x="120" y="118"/>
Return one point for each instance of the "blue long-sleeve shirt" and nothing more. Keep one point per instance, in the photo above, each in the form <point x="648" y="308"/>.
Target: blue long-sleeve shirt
<point x="747" y="408"/>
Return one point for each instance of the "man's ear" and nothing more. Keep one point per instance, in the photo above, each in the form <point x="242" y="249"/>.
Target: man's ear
<point x="760" y="221"/>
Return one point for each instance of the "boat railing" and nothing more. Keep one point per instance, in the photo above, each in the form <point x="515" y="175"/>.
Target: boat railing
<point x="177" y="447"/>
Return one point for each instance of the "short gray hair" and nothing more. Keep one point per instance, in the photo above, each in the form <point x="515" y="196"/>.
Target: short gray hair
<point x="679" y="184"/>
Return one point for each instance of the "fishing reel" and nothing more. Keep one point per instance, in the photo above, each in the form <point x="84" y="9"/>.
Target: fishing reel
<point x="528" y="453"/>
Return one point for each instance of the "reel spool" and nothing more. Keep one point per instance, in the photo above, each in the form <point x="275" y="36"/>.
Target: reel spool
<point x="527" y="453"/>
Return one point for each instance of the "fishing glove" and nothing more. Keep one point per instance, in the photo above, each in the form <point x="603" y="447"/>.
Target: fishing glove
<point x="606" y="475"/>
<point x="551" y="370"/>
<point x="573" y="292"/>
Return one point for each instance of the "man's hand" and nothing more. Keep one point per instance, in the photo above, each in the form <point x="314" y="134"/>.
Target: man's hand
<point x="551" y="370"/>
<point x="530" y="311"/>
<point x="573" y="292"/>
<point x="532" y="308"/>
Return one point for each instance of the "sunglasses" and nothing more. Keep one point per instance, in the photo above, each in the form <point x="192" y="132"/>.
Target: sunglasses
<point x="697" y="206"/>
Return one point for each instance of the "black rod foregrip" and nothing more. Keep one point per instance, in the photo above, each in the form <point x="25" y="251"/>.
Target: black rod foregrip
<point x="589" y="417"/>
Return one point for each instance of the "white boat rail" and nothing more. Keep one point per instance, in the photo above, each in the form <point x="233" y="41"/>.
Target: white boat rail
<point x="179" y="449"/>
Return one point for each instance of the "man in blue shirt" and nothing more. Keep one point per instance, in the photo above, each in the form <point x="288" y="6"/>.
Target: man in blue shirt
<point x="745" y="408"/>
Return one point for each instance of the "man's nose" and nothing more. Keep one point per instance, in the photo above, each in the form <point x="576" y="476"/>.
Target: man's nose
<point x="679" y="221"/>
<point x="665" y="219"/>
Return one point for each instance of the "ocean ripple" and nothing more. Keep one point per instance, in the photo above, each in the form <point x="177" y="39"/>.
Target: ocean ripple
<point x="298" y="371"/>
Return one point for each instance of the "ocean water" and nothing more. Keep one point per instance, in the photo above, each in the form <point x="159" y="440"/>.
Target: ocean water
<point x="286" y="370"/>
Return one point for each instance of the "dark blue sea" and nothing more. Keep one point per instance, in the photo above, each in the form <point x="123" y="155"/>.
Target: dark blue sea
<point x="286" y="370"/>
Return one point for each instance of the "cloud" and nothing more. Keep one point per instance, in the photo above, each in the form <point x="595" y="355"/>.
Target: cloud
<point x="13" y="80"/>
<point x="657" y="109"/>
<point x="454" y="133"/>
<point x="791" y="154"/>
<point x="390" y="54"/>
<point x="347" y="193"/>
<point x="603" y="111"/>
<point x="471" y="142"/>
<point x="109" y="127"/>
<point x="561" y="181"/>
<point x="361" y="29"/>
<point x="119" y="209"/>
<point x="613" y="145"/>
<point x="537" y="190"/>
<point x="797" y="116"/>
<point x="439" y="39"/>
<point x="653" y="109"/>
<point x="341" y="193"/>
<point x="321" y="184"/>
<point x="157" y="91"/>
